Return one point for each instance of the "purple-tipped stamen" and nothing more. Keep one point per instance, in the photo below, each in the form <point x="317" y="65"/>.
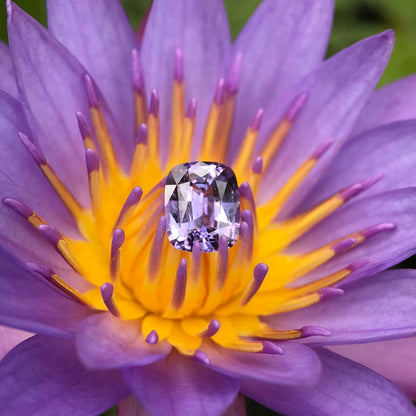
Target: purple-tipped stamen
<point x="154" y="103"/>
<point x="330" y="292"/>
<point x="247" y="218"/>
<point x="257" y="167"/>
<point x="357" y="188"/>
<point x="137" y="72"/>
<point x="201" y="357"/>
<point x="296" y="107"/>
<point x="18" y="207"/>
<point x="107" y="292"/>
<point x="179" y="66"/>
<point x="91" y="91"/>
<point x="116" y="243"/>
<point x="234" y="74"/>
<point x="132" y="201"/>
<point x="179" y="289"/>
<point x="213" y="328"/>
<point x="84" y="127"/>
<point x="142" y="134"/>
<point x="310" y="331"/>
<point x="44" y="271"/>
<point x="357" y="265"/>
<point x="259" y="274"/>
<point x="377" y="229"/>
<point x="191" y="110"/>
<point x="271" y="348"/>
<point x="247" y="194"/>
<point x="322" y="149"/>
<point x="92" y="160"/>
<point x="152" y="338"/>
<point x="219" y="92"/>
<point x="37" y="155"/>
<point x="258" y="118"/>
<point x="343" y="245"/>
<point x="157" y="249"/>
<point x="51" y="233"/>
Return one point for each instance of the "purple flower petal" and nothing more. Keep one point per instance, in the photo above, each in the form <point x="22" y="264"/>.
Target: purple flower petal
<point x="345" y="388"/>
<point x="281" y="43"/>
<point x="394" y="359"/>
<point x="101" y="38"/>
<point x="104" y="341"/>
<point x="43" y="377"/>
<point x="21" y="179"/>
<point x="394" y="102"/>
<point x="200" y="29"/>
<point x="380" y="307"/>
<point x="379" y="252"/>
<point x="298" y="365"/>
<point x="9" y="338"/>
<point x="51" y="88"/>
<point x="33" y="305"/>
<point x="131" y="407"/>
<point x="389" y="150"/>
<point x="237" y="407"/>
<point x="336" y="92"/>
<point x="7" y="80"/>
<point x="179" y="385"/>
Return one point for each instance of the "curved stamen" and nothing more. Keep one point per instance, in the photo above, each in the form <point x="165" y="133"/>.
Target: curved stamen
<point x="107" y="292"/>
<point x="116" y="244"/>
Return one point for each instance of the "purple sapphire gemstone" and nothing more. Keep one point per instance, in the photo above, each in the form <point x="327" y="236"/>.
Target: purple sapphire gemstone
<point x="202" y="203"/>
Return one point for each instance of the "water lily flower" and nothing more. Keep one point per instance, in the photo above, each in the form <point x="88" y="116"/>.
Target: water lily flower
<point x="271" y="285"/>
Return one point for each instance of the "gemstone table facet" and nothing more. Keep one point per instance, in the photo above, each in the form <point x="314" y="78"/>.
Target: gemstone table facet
<point x="202" y="203"/>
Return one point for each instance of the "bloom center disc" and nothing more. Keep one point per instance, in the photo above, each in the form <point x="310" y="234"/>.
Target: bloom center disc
<point x="202" y="204"/>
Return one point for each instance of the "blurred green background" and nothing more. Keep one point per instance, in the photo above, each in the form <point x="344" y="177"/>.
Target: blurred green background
<point x="354" y="20"/>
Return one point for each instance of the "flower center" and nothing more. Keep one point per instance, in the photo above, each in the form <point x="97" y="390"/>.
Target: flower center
<point x="185" y="296"/>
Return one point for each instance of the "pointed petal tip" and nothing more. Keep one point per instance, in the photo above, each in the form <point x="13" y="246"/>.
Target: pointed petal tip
<point x="271" y="348"/>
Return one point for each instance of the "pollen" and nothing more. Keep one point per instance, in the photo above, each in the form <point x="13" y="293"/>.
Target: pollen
<point x="232" y="268"/>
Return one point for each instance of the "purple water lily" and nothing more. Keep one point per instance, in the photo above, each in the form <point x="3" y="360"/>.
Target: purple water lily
<point x="300" y="313"/>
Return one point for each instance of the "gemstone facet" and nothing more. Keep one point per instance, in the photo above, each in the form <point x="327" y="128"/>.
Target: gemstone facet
<point x="202" y="203"/>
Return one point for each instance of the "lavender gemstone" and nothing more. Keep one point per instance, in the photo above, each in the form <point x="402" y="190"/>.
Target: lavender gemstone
<point x="202" y="203"/>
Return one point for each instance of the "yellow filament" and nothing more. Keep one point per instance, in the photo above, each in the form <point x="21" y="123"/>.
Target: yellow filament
<point x="273" y="144"/>
<point x="244" y="158"/>
<point x="70" y="202"/>
<point x="267" y="212"/>
<point x="104" y="142"/>
<point x="210" y="132"/>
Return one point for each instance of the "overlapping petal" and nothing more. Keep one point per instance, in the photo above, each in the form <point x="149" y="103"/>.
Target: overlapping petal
<point x="200" y="29"/>
<point x="394" y="102"/>
<point x="281" y="43"/>
<point x="104" y="341"/>
<point x="337" y="91"/>
<point x="33" y="305"/>
<point x="9" y="338"/>
<point x="298" y="365"/>
<point x="345" y="388"/>
<point x="7" y="80"/>
<point x="395" y="359"/>
<point x="389" y="150"/>
<point x="51" y="90"/>
<point x="179" y="386"/>
<point x="43" y="377"/>
<point x="377" y="308"/>
<point x="99" y="35"/>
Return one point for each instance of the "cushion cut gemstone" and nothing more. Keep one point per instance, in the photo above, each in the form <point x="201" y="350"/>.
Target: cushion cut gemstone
<point x="202" y="204"/>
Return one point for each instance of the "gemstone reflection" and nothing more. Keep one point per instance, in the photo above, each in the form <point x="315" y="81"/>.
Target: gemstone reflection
<point x="202" y="204"/>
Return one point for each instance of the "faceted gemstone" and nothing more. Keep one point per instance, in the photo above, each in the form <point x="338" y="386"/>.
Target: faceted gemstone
<point x="202" y="203"/>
